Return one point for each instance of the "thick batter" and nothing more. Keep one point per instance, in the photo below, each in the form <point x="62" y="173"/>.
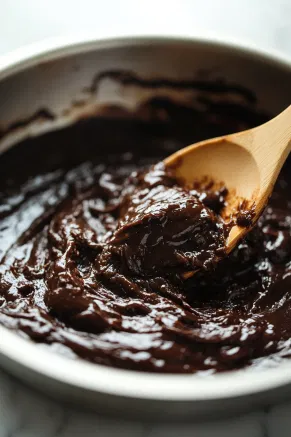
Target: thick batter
<point x="93" y="242"/>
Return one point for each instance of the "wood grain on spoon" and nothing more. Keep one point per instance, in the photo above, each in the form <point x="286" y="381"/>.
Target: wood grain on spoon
<point x="248" y="163"/>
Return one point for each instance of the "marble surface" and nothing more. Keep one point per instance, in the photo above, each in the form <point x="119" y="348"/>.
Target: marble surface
<point x="264" y="23"/>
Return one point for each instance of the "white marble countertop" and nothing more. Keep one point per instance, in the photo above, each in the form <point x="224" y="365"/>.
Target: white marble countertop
<point x="264" y="23"/>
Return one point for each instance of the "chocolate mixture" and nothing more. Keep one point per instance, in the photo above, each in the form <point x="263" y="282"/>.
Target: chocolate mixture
<point x="162" y="228"/>
<point x="94" y="241"/>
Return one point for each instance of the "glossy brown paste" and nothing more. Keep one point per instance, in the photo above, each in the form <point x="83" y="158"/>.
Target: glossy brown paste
<point x="93" y="241"/>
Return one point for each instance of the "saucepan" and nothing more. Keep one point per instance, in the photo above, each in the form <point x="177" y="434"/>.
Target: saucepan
<point x="50" y="85"/>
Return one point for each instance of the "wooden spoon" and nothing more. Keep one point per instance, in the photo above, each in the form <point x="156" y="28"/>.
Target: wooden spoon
<point x="247" y="163"/>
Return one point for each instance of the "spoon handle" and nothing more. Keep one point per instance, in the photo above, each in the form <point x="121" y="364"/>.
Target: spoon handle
<point x="270" y="145"/>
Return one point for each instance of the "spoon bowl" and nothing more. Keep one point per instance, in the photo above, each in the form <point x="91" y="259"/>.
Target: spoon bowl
<point x="246" y="163"/>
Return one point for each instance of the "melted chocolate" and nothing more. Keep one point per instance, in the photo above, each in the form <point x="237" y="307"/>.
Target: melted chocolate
<point x="93" y="243"/>
<point x="162" y="228"/>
